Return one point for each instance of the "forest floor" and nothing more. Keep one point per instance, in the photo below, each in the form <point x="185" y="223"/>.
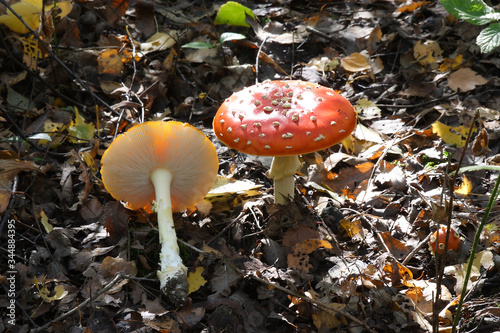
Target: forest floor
<point x="350" y="253"/>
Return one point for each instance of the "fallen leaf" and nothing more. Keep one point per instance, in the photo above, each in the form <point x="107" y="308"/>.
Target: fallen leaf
<point x="465" y="188"/>
<point x="451" y="63"/>
<point x="428" y="53"/>
<point x="196" y="280"/>
<point x="326" y="321"/>
<point x="351" y="228"/>
<point x="30" y="13"/>
<point x="410" y="6"/>
<point x="452" y="135"/>
<point x="355" y="62"/>
<point x="299" y="258"/>
<point x="159" y="41"/>
<point x="482" y="259"/>
<point x="45" y="222"/>
<point x="9" y="168"/>
<point x="79" y="130"/>
<point x="110" y="62"/>
<point x="395" y="246"/>
<point x="481" y="142"/>
<point x="465" y="79"/>
<point x="366" y="109"/>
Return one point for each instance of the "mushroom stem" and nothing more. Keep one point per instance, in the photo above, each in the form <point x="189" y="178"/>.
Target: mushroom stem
<point x="172" y="272"/>
<point x="283" y="169"/>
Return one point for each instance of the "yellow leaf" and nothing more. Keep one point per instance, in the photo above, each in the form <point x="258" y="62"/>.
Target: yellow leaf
<point x="428" y="53"/>
<point x="349" y="144"/>
<point x="351" y="227"/>
<point x="450" y="64"/>
<point x="44" y="292"/>
<point x="452" y="135"/>
<point x="45" y="222"/>
<point x="63" y="8"/>
<point x="196" y="280"/>
<point x="89" y="160"/>
<point x="79" y="130"/>
<point x="54" y="130"/>
<point x="366" y="109"/>
<point x="465" y="188"/>
<point x="30" y="11"/>
<point x="60" y="293"/>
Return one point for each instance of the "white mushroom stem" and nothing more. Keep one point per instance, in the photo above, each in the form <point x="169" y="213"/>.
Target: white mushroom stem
<point x="283" y="170"/>
<point x="171" y="266"/>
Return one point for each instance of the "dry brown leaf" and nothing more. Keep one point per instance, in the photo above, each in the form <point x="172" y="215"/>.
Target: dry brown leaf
<point x="350" y="177"/>
<point x="481" y="142"/>
<point x="9" y="168"/>
<point x="397" y="248"/>
<point x="145" y="16"/>
<point x="355" y="62"/>
<point x="297" y="235"/>
<point x="465" y="79"/>
<point x="326" y="321"/>
<point x="299" y="258"/>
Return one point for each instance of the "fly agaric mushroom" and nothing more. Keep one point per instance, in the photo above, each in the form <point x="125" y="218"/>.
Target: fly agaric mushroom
<point x="284" y="119"/>
<point x="172" y="164"/>
<point x="438" y="239"/>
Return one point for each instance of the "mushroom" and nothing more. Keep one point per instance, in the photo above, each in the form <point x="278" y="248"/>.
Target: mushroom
<point x="438" y="240"/>
<point x="171" y="163"/>
<point x="284" y="119"/>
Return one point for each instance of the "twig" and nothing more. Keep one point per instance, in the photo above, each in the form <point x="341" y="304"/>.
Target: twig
<point x="417" y="105"/>
<point x="416" y="249"/>
<point x="107" y="287"/>
<point x="328" y="37"/>
<point x="225" y="228"/>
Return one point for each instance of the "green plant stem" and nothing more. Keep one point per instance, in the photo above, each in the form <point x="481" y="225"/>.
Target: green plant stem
<point x="493" y="198"/>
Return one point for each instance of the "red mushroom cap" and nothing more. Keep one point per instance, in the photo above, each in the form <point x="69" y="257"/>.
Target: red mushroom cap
<point x="277" y="118"/>
<point x="454" y="241"/>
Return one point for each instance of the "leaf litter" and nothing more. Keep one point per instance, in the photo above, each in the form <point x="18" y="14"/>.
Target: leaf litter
<point x="350" y="253"/>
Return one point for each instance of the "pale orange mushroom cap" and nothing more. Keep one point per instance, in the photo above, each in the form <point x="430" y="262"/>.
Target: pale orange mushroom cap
<point x="181" y="148"/>
<point x="280" y="118"/>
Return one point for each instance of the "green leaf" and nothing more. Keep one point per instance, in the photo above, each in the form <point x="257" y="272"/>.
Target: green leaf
<point x="233" y="13"/>
<point x="489" y="38"/>
<point x="231" y="36"/>
<point x="197" y="45"/>
<point x="80" y="130"/>
<point x="473" y="11"/>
